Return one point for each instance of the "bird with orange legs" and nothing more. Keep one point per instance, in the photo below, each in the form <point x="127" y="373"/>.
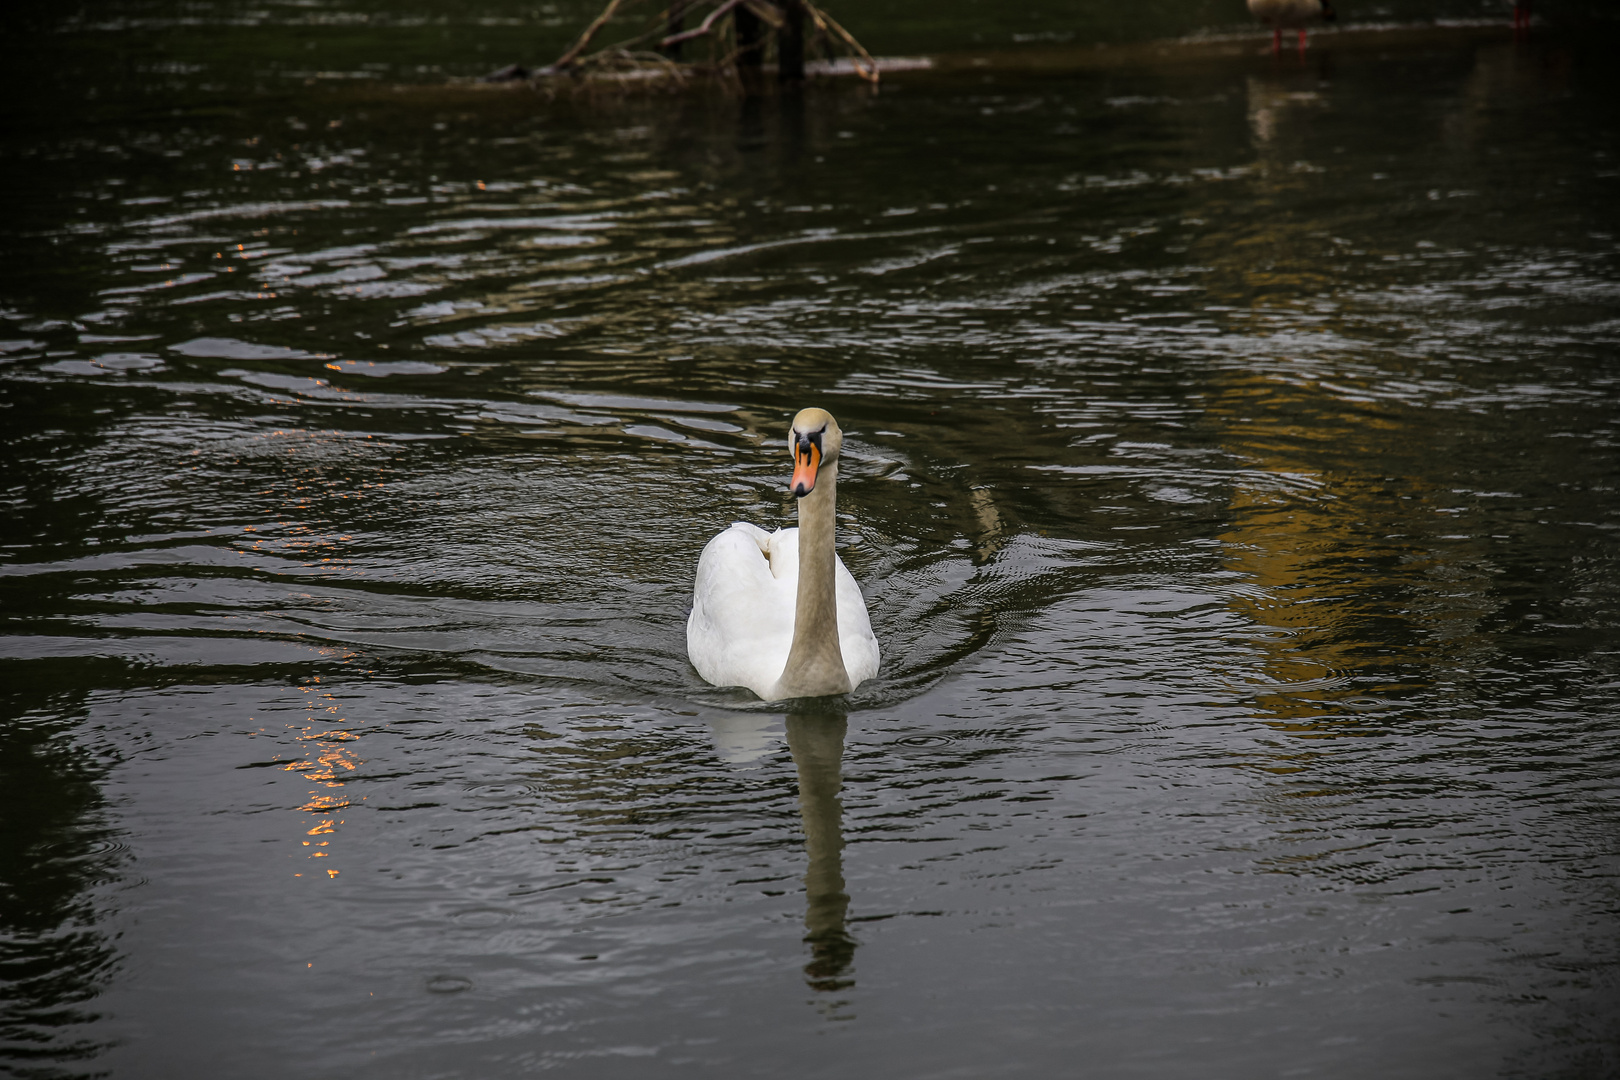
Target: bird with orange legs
<point x="1283" y="15"/>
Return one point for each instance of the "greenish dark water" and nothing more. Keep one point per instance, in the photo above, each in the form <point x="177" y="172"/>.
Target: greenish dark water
<point x="1230" y="467"/>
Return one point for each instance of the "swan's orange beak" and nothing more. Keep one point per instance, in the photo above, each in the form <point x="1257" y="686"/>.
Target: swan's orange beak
<point x="806" y="460"/>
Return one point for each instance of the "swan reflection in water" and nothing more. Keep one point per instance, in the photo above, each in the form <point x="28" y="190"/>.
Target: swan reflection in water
<point x="815" y="738"/>
<point x="816" y="741"/>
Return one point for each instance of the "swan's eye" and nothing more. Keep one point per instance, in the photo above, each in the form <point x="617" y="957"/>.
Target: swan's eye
<point x="803" y="441"/>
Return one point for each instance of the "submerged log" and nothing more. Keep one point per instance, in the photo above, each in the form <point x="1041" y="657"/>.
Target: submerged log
<point x="509" y="73"/>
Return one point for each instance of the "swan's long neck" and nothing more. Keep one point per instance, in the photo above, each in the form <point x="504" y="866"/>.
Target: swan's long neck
<point x="815" y="663"/>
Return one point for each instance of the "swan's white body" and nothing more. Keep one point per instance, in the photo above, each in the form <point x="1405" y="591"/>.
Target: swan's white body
<point x="741" y="627"/>
<point x="764" y="617"/>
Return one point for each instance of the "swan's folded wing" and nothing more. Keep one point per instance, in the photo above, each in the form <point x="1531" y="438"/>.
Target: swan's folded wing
<point x="740" y="628"/>
<point x="782" y="546"/>
<point x="754" y="533"/>
<point x="855" y="638"/>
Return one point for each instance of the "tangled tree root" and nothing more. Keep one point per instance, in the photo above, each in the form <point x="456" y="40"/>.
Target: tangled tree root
<point x="743" y="38"/>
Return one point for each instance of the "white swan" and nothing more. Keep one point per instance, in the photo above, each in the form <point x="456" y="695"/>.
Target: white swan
<point x="778" y="612"/>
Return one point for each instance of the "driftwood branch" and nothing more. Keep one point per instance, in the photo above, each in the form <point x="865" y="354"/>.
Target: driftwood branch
<point x="590" y="32"/>
<point x="704" y="27"/>
<point x="825" y="22"/>
<point x="768" y="13"/>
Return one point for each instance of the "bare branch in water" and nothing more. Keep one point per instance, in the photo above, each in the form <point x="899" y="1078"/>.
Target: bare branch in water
<point x="590" y="32"/>
<point x="825" y="22"/>
<point x="624" y="55"/>
<point x="768" y="13"/>
<point x="704" y="28"/>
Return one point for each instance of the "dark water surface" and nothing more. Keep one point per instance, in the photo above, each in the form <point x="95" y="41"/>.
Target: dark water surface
<point x="1231" y="472"/>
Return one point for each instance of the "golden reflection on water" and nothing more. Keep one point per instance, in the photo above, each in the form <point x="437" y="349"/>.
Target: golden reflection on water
<point x="816" y="742"/>
<point x="1345" y="577"/>
<point x="326" y="763"/>
<point x="1302" y="541"/>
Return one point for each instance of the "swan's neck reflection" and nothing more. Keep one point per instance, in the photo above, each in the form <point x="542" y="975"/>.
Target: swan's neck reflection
<point x="817" y="745"/>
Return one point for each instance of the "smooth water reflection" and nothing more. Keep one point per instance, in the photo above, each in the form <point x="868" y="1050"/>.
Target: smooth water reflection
<point x="1230" y="476"/>
<point x="817" y="742"/>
